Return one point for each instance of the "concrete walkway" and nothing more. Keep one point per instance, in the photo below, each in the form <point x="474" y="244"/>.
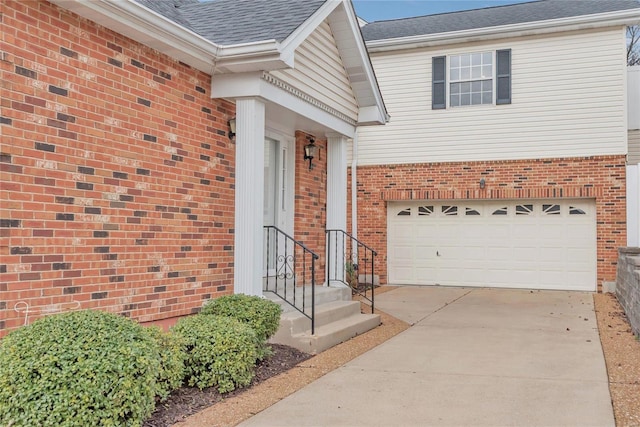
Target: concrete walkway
<point x="474" y="357"/>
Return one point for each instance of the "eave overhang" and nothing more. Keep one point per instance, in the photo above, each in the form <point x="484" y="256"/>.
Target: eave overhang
<point x="625" y="17"/>
<point x="152" y="29"/>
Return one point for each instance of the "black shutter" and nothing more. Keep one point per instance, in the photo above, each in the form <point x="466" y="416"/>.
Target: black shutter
<point x="503" y="76"/>
<point x="439" y="82"/>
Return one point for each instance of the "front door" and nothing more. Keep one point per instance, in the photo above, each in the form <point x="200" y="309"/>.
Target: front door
<point x="278" y="196"/>
<point x="270" y="181"/>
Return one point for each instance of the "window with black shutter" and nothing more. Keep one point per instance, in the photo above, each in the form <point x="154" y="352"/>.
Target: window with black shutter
<point x="439" y="83"/>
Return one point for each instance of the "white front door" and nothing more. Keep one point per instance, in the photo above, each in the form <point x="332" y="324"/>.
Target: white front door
<point x="278" y="183"/>
<point x="278" y="197"/>
<point x="270" y="181"/>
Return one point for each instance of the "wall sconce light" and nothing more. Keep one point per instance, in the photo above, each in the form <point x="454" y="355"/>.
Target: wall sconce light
<point x="310" y="150"/>
<point x="482" y="184"/>
<point x="232" y="128"/>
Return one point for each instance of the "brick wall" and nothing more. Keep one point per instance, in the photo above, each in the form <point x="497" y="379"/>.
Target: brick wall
<point x="600" y="178"/>
<point x="310" y="200"/>
<point x="628" y="285"/>
<point x="117" y="174"/>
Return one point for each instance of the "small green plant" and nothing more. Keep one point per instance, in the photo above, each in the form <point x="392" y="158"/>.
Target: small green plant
<point x="82" y="368"/>
<point x="351" y="273"/>
<point x="172" y="358"/>
<point x="220" y="351"/>
<point x="261" y="314"/>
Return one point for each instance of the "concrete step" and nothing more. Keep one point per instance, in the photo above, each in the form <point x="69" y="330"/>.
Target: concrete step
<point x="336" y="322"/>
<point x="335" y="333"/>
<point x="293" y="322"/>
<point x="323" y="294"/>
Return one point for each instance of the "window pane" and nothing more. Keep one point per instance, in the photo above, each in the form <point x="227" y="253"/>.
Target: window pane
<point x="471" y="77"/>
<point x="486" y="71"/>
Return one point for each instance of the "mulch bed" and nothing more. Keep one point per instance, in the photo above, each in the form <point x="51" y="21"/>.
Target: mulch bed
<point x="189" y="400"/>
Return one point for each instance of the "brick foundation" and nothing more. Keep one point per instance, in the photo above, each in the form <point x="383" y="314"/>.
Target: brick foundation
<point x="117" y="185"/>
<point x="600" y="178"/>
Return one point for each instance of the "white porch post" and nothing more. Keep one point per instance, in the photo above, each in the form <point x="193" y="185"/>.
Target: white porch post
<point x="336" y="202"/>
<point x="249" y="196"/>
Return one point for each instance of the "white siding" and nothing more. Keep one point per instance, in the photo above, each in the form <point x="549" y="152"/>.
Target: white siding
<point x="319" y="72"/>
<point x="568" y="99"/>
<point x="634" y="147"/>
<point x="633" y="97"/>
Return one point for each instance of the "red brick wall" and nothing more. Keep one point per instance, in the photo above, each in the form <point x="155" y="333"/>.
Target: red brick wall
<point x="117" y="174"/>
<point x="600" y="178"/>
<point x="310" y="200"/>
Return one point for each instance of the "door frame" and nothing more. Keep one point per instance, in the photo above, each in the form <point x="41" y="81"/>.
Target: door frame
<point x="285" y="179"/>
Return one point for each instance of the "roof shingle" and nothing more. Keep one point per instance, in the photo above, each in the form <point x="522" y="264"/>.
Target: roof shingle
<point x="230" y="22"/>
<point x="541" y="10"/>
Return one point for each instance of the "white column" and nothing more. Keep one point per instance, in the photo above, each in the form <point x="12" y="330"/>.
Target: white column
<point x="336" y="201"/>
<point x="633" y="205"/>
<point x="249" y="191"/>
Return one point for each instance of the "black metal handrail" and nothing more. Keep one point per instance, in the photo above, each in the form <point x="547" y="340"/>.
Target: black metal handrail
<point x="351" y="262"/>
<point x="290" y="269"/>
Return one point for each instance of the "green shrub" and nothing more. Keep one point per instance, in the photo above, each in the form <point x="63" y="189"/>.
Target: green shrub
<point x="172" y="357"/>
<point x="83" y="368"/>
<point x="261" y="314"/>
<point x="221" y="351"/>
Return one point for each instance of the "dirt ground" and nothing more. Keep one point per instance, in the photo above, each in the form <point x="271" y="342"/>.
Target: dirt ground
<point x="289" y="370"/>
<point x="622" y="356"/>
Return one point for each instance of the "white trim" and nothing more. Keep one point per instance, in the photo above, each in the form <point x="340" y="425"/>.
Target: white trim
<point x="300" y="34"/>
<point x="249" y="197"/>
<point x="366" y="117"/>
<point x="632" y="91"/>
<point x="269" y="78"/>
<point x="336" y="200"/>
<point x="506" y="31"/>
<point x="354" y="186"/>
<point x="234" y="86"/>
<point x="633" y="205"/>
<point x="149" y="28"/>
<point x="336" y="182"/>
<point x="142" y="24"/>
<point x="285" y="142"/>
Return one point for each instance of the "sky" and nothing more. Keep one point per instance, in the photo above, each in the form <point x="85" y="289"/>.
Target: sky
<point x="379" y="10"/>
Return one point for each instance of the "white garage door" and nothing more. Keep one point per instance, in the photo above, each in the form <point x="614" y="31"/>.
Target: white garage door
<point x="514" y="244"/>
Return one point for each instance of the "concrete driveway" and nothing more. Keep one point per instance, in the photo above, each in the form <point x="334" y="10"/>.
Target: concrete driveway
<point x="474" y="357"/>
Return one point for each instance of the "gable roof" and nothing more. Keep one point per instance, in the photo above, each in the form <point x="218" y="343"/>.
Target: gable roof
<point x="241" y="36"/>
<point x="230" y="22"/>
<point x="561" y="11"/>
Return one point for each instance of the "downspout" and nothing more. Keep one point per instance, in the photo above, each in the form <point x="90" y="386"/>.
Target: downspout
<point x="354" y="184"/>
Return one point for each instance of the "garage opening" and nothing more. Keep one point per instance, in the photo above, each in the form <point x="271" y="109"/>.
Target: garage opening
<point x="533" y="244"/>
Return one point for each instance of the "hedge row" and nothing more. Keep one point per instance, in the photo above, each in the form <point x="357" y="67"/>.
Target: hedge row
<point x="94" y="368"/>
